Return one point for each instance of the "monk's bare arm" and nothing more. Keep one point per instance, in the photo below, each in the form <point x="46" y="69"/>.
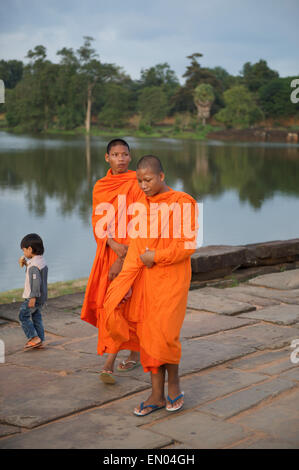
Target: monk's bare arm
<point x="118" y="248"/>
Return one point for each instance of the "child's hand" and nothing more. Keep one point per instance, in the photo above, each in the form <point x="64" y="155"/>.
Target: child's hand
<point x="22" y="261"/>
<point x="31" y="303"/>
<point x="148" y="258"/>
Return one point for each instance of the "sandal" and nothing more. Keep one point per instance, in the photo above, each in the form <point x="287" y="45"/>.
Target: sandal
<point x="107" y="377"/>
<point x="125" y="362"/>
<point x="172" y="408"/>
<point x="32" y="344"/>
<point x="142" y="407"/>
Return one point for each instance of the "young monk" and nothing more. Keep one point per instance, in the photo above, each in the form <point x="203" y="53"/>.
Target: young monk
<point x="120" y="182"/>
<point x="156" y="273"/>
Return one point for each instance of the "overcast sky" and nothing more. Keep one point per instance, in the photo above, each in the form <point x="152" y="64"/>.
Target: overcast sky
<point x="137" y="34"/>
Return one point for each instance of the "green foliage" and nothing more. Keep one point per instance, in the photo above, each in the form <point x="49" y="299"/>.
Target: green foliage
<point x="274" y="98"/>
<point x="31" y="104"/>
<point x="196" y="75"/>
<point x="204" y="93"/>
<point x="203" y="99"/>
<point x="43" y="95"/>
<point x="161" y="76"/>
<point x="11" y="72"/>
<point x="152" y="104"/>
<point x="145" y="128"/>
<point x="240" y="109"/>
<point x="115" y="111"/>
<point x="257" y="75"/>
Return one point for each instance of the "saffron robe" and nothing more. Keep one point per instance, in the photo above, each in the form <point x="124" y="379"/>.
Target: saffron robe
<point x="105" y="193"/>
<point x="159" y="294"/>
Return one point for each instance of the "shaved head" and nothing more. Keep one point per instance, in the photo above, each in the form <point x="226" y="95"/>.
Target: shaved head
<point x="151" y="162"/>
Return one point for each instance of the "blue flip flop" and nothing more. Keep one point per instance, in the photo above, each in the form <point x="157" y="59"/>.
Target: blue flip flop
<point x="169" y="408"/>
<point x="142" y="407"/>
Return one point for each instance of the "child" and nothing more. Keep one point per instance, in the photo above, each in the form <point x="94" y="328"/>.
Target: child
<point x="157" y="271"/>
<point x="35" y="291"/>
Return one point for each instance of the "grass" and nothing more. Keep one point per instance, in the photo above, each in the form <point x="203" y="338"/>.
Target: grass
<point x="54" y="290"/>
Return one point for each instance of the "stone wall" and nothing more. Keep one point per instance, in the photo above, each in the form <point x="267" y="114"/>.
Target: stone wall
<point x="244" y="261"/>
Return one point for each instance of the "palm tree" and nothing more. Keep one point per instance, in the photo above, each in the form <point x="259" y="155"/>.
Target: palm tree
<point x="203" y="99"/>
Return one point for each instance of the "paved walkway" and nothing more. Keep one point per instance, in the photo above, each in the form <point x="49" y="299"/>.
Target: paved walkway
<point x="241" y="384"/>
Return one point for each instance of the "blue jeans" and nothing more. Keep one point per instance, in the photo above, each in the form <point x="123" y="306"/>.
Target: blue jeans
<point x="31" y="320"/>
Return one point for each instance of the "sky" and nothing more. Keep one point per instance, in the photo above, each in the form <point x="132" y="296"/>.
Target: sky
<point x="138" y="34"/>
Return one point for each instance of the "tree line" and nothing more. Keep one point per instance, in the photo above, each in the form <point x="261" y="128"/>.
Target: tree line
<point x="80" y="89"/>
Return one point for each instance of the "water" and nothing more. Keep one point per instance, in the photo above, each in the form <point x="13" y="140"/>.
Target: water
<point x="250" y="194"/>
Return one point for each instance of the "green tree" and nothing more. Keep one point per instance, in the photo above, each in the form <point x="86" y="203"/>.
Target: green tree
<point x="240" y="109"/>
<point x="226" y="80"/>
<point x="70" y="94"/>
<point x="116" y="108"/>
<point x="152" y="104"/>
<point x="31" y="104"/>
<point x="162" y="76"/>
<point x="196" y="75"/>
<point x="203" y="99"/>
<point x="11" y="72"/>
<point x="258" y="74"/>
<point x="91" y="73"/>
<point x="274" y="98"/>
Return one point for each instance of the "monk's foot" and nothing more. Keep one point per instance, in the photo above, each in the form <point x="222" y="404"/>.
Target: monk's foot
<point x="109" y="365"/>
<point x="150" y="405"/>
<point x="130" y="363"/>
<point x="107" y="376"/>
<point x="175" y="398"/>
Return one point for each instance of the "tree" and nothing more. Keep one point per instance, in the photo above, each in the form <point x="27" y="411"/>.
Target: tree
<point x="196" y="75"/>
<point x="152" y="104"/>
<point x="31" y="104"/>
<point x="274" y="98"/>
<point x="257" y="75"/>
<point x="162" y="76"/>
<point x="240" y="109"/>
<point x="116" y="106"/>
<point x="11" y="72"/>
<point x="226" y="80"/>
<point x="70" y="93"/>
<point x="203" y="99"/>
<point x="90" y="73"/>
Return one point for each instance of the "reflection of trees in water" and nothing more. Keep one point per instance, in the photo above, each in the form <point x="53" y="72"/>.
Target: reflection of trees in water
<point x="68" y="173"/>
<point x="62" y="174"/>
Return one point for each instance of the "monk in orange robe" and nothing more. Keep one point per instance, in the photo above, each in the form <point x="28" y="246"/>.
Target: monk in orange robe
<point x="118" y="189"/>
<point x="156" y="274"/>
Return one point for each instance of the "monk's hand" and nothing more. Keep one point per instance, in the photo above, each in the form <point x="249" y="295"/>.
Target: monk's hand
<point x="31" y="303"/>
<point x="127" y="296"/>
<point x="148" y="258"/>
<point x="118" y="248"/>
<point x="115" y="269"/>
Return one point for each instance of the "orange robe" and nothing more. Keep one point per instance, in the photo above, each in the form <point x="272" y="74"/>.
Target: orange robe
<point x="107" y="190"/>
<point x="159" y="294"/>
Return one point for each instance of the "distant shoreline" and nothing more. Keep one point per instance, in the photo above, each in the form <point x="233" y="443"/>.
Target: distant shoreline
<point x="209" y="132"/>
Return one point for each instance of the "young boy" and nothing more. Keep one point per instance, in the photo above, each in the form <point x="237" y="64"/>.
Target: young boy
<point x="120" y="184"/>
<point x="156" y="275"/>
<point x="35" y="291"/>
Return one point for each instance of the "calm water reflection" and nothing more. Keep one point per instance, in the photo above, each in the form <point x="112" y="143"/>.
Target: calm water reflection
<point x="250" y="194"/>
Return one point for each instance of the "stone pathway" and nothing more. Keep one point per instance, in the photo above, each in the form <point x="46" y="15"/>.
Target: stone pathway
<point x="241" y="386"/>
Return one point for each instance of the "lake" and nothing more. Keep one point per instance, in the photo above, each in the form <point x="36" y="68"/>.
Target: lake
<point x="249" y="191"/>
